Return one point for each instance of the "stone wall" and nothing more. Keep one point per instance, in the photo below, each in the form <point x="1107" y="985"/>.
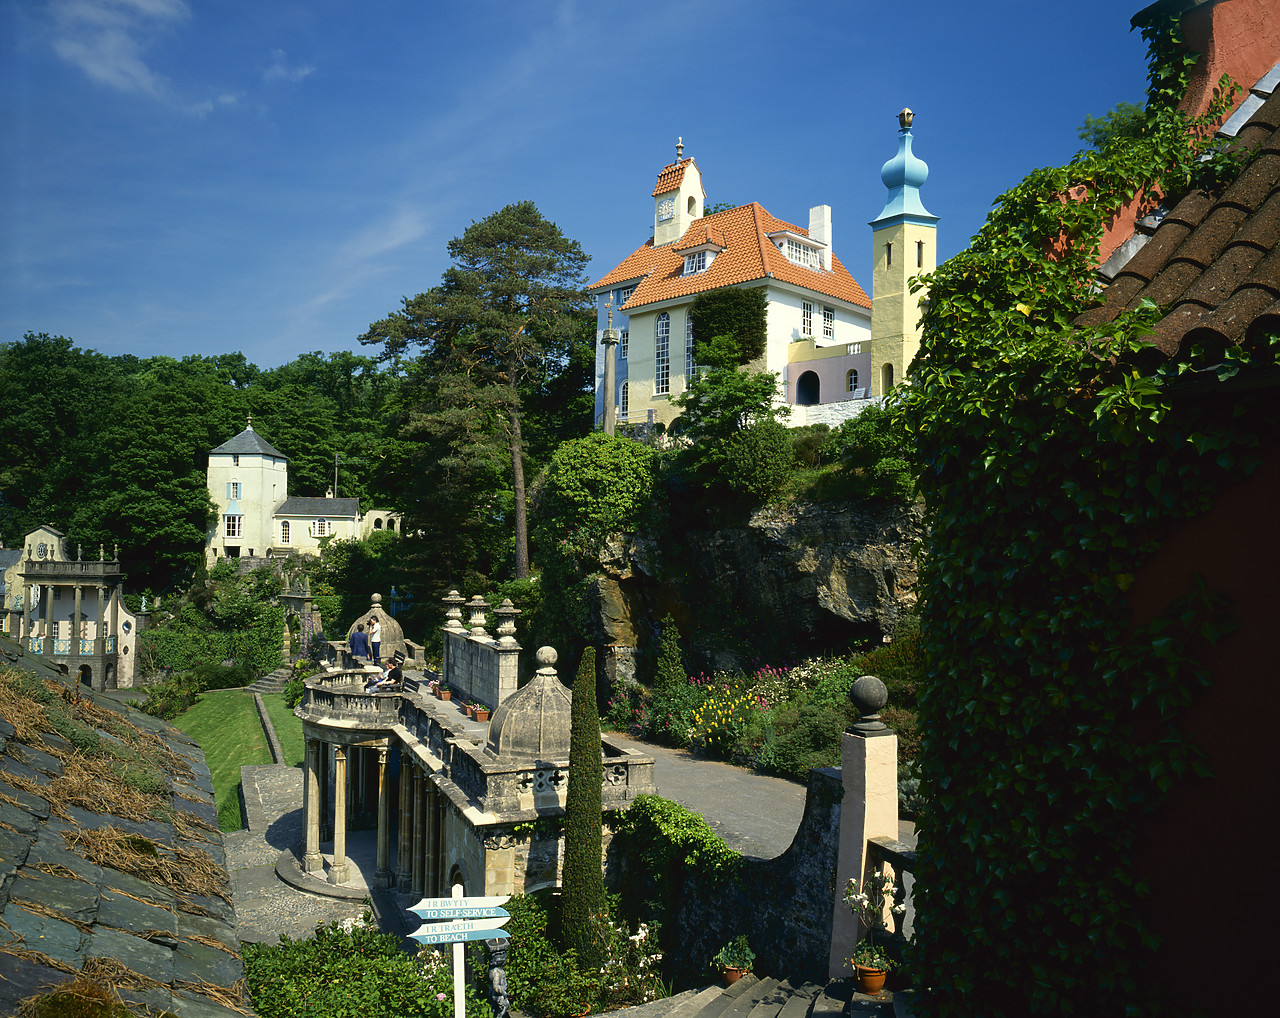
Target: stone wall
<point x="784" y="905"/>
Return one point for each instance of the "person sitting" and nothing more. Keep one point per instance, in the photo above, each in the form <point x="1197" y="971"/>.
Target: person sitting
<point x="360" y="642"/>
<point x="388" y="680"/>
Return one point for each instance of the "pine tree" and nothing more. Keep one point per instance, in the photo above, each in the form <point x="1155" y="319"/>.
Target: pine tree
<point x="583" y="883"/>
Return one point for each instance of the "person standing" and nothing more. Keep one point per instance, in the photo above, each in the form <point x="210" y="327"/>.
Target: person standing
<point x="360" y="642"/>
<point x="375" y="637"/>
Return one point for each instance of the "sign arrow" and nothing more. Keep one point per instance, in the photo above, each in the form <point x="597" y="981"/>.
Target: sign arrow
<point x="461" y="912"/>
<point x="454" y="938"/>
<point x="477" y="901"/>
<point x="460" y="926"/>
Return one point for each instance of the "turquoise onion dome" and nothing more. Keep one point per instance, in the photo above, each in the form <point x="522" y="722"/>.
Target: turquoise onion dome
<point x="903" y="175"/>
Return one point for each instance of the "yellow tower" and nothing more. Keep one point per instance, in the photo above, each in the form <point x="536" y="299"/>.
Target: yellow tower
<point x="904" y="244"/>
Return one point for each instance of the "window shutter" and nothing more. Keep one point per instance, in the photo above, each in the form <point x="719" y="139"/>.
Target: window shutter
<point x="228" y="491"/>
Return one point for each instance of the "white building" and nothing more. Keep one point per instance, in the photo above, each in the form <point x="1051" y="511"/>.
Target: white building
<point x="249" y="483"/>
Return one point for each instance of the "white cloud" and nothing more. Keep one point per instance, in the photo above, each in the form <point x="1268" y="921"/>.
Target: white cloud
<point x="108" y="39"/>
<point x="280" y="70"/>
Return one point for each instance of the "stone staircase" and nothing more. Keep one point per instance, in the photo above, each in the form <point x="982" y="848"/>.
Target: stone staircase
<point x="272" y="682"/>
<point x="752" y="997"/>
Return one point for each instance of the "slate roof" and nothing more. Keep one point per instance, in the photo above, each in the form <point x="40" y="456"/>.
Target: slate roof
<point x="1214" y="263"/>
<point x="313" y="507"/>
<point x="748" y="256"/>
<point x="67" y="907"/>
<point x="249" y="442"/>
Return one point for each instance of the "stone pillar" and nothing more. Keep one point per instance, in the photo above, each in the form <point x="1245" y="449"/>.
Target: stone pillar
<point x="26" y="615"/>
<point x="99" y="632"/>
<point x="610" y="340"/>
<point x="869" y="808"/>
<point x="340" y="871"/>
<point x="326" y="827"/>
<point x="432" y="886"/>
<point x="404" y="844"/>
<point x="76" y="611"/>
<point x="312" y="860"/>
<point x="419" y="839"/>
<point x="382" y="876"/>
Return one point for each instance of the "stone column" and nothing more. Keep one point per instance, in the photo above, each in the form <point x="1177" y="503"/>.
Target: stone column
<point x="99" y="631"/>
<point x="382" y="876"/>
<point x="869" y="808"/>
<point x="76" y="611"/>
<point x="340" y="871"/>
<point x="312" y="860"/>
<point x="326" y="827"/>
<point x="610" y="340"/>
<point x="404" y="844"/>
<point x="434" y="884"/>
<point x="26" y="615"/>
<point x="419" y="840"/>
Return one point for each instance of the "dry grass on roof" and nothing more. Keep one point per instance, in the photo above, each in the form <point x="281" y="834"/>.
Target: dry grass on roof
<point x="185" y="871"/>
<point x="99" y="786"/>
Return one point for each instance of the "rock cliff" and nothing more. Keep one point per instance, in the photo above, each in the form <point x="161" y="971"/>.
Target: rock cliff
<point x="791" y="582"/>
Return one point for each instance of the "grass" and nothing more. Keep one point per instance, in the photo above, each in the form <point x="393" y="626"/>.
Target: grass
<point x="288" y="728"/>
<point x="226" y="725"/>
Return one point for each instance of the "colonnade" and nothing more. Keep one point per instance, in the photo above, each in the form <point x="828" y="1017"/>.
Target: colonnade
<point x="419" y="813"/>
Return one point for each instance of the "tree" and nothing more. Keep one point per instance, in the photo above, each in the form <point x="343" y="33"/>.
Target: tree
<point x="733" y="312"/>
<point x="503" y="315"/>
<point x="583" y="883"/>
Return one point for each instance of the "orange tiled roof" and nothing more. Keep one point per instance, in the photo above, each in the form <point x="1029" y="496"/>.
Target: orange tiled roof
<point x="1213" y="264"/>
<point x="670" y="177"/>
<point x="748" y="255"/>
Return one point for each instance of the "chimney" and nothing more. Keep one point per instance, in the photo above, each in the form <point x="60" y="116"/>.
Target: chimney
<point x="820" y="230"/>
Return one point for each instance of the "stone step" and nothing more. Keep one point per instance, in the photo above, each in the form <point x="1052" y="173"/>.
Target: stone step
<point x="728" y="997"/>
<point x="692" y="1006"/>
<point x="801" y="1001"/>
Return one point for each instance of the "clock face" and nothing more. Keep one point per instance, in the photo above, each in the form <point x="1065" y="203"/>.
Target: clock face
<point x="666" y="209"/>
<point x="42" y="550"/>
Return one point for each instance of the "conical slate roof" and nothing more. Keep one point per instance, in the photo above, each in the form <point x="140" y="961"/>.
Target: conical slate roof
<point x="533" y="723"/>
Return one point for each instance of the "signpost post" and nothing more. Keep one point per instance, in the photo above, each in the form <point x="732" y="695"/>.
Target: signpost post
<point x="456" y="920"/>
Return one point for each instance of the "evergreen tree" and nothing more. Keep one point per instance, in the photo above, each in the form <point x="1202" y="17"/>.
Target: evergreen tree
<point x="583" y="885"/>
<point x="669" y="669"/>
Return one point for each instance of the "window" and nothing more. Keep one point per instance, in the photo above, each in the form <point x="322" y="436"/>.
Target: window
<point x="888" y="254"/>
<point x="235" y="460"/>
<point x="622" y="344"/>
<point x="320" y="528"/>
<point x="284" y="531"/>
<point x="828" y="323"/>
<point x="623" y="296"/>
<point x="623" y="399"/>
<point x="688" y="348"/>
<point x="851" y="380"/>
<point x="233" y="490"/>
<point x="234" y="525"/>
<point x="806" y="318"/>
<point x="886" y="378"/>
<point x="919" y="254"/>
<point x="801" y="254"/>
<point x="662" y="356"/>
<point x="695" y="263"/>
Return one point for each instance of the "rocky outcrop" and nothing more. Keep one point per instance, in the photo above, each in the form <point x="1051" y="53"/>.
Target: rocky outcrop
<point x="793" y="581"/>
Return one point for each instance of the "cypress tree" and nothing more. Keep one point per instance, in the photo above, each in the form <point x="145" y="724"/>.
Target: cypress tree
<point x="583" y="884"/>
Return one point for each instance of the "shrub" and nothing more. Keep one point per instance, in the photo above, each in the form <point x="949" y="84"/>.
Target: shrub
<point x="755" y="461"/>
<point x="294" y="691"/>
<point x="359" y="971"/>
<point x="170" y="697"/>
<point x="810" y="444"/>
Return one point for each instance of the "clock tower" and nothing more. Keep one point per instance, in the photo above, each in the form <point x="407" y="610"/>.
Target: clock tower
<point x="678" y="198"/>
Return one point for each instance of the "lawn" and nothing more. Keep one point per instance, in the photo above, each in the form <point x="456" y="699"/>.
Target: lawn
<point x="226" y="725"/>
<point x="288" y="728"/>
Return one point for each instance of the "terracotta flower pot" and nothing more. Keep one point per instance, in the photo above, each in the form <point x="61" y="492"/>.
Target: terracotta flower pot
<point x="482" y="714"/>
<point x="870" y="980"/>
<point x="732" y="975"/>
<point x="444" y="694"/>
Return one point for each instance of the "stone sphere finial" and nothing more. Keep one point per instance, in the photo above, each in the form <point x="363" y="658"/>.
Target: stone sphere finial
<point x="905" y="117"/>
<point x="375" y="601"/>
<point x="547" y="656"/>
<point x="869" y="695"/>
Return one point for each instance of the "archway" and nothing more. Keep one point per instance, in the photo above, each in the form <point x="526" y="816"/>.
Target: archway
<point x="84" y="676"/>
<point x="808" y="389"/>
<point x="886" y="379"/>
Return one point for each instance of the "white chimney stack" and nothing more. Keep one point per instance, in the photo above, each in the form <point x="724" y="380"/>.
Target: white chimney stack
<point x="820" y="230"/>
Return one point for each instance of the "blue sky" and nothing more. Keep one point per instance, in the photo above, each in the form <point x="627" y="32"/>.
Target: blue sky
<point x="206" y="176"/>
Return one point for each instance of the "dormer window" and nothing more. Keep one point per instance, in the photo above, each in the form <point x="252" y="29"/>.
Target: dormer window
<point x="799" y="250"/>
<point x="623" y="296"/>
<point x="696" y="262"/>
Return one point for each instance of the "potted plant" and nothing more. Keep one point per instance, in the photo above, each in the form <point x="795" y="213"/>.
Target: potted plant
<point x="871" y="963"/>
<point x="443" y="691"/>
<point x="735" y="958"/>
<point x="482" y="712"/>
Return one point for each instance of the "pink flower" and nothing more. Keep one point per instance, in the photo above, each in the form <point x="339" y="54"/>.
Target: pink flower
<point x="439" y="996"/>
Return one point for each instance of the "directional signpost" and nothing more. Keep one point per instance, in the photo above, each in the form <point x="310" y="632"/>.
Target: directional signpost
<point x="458" y="919"/>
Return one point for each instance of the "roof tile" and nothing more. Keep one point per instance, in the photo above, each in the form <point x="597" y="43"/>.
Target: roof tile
<point x="748" y="256"/>
<point x="670" y="177"/>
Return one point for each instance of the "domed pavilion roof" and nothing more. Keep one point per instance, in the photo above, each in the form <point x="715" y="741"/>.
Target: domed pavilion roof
<point x="392" y="632"/>
<point x="533" y="723"/>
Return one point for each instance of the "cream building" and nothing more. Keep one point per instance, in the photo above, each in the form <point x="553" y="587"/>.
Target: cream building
<point x="248" y="481"/>
<point x="831" y="346"/>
